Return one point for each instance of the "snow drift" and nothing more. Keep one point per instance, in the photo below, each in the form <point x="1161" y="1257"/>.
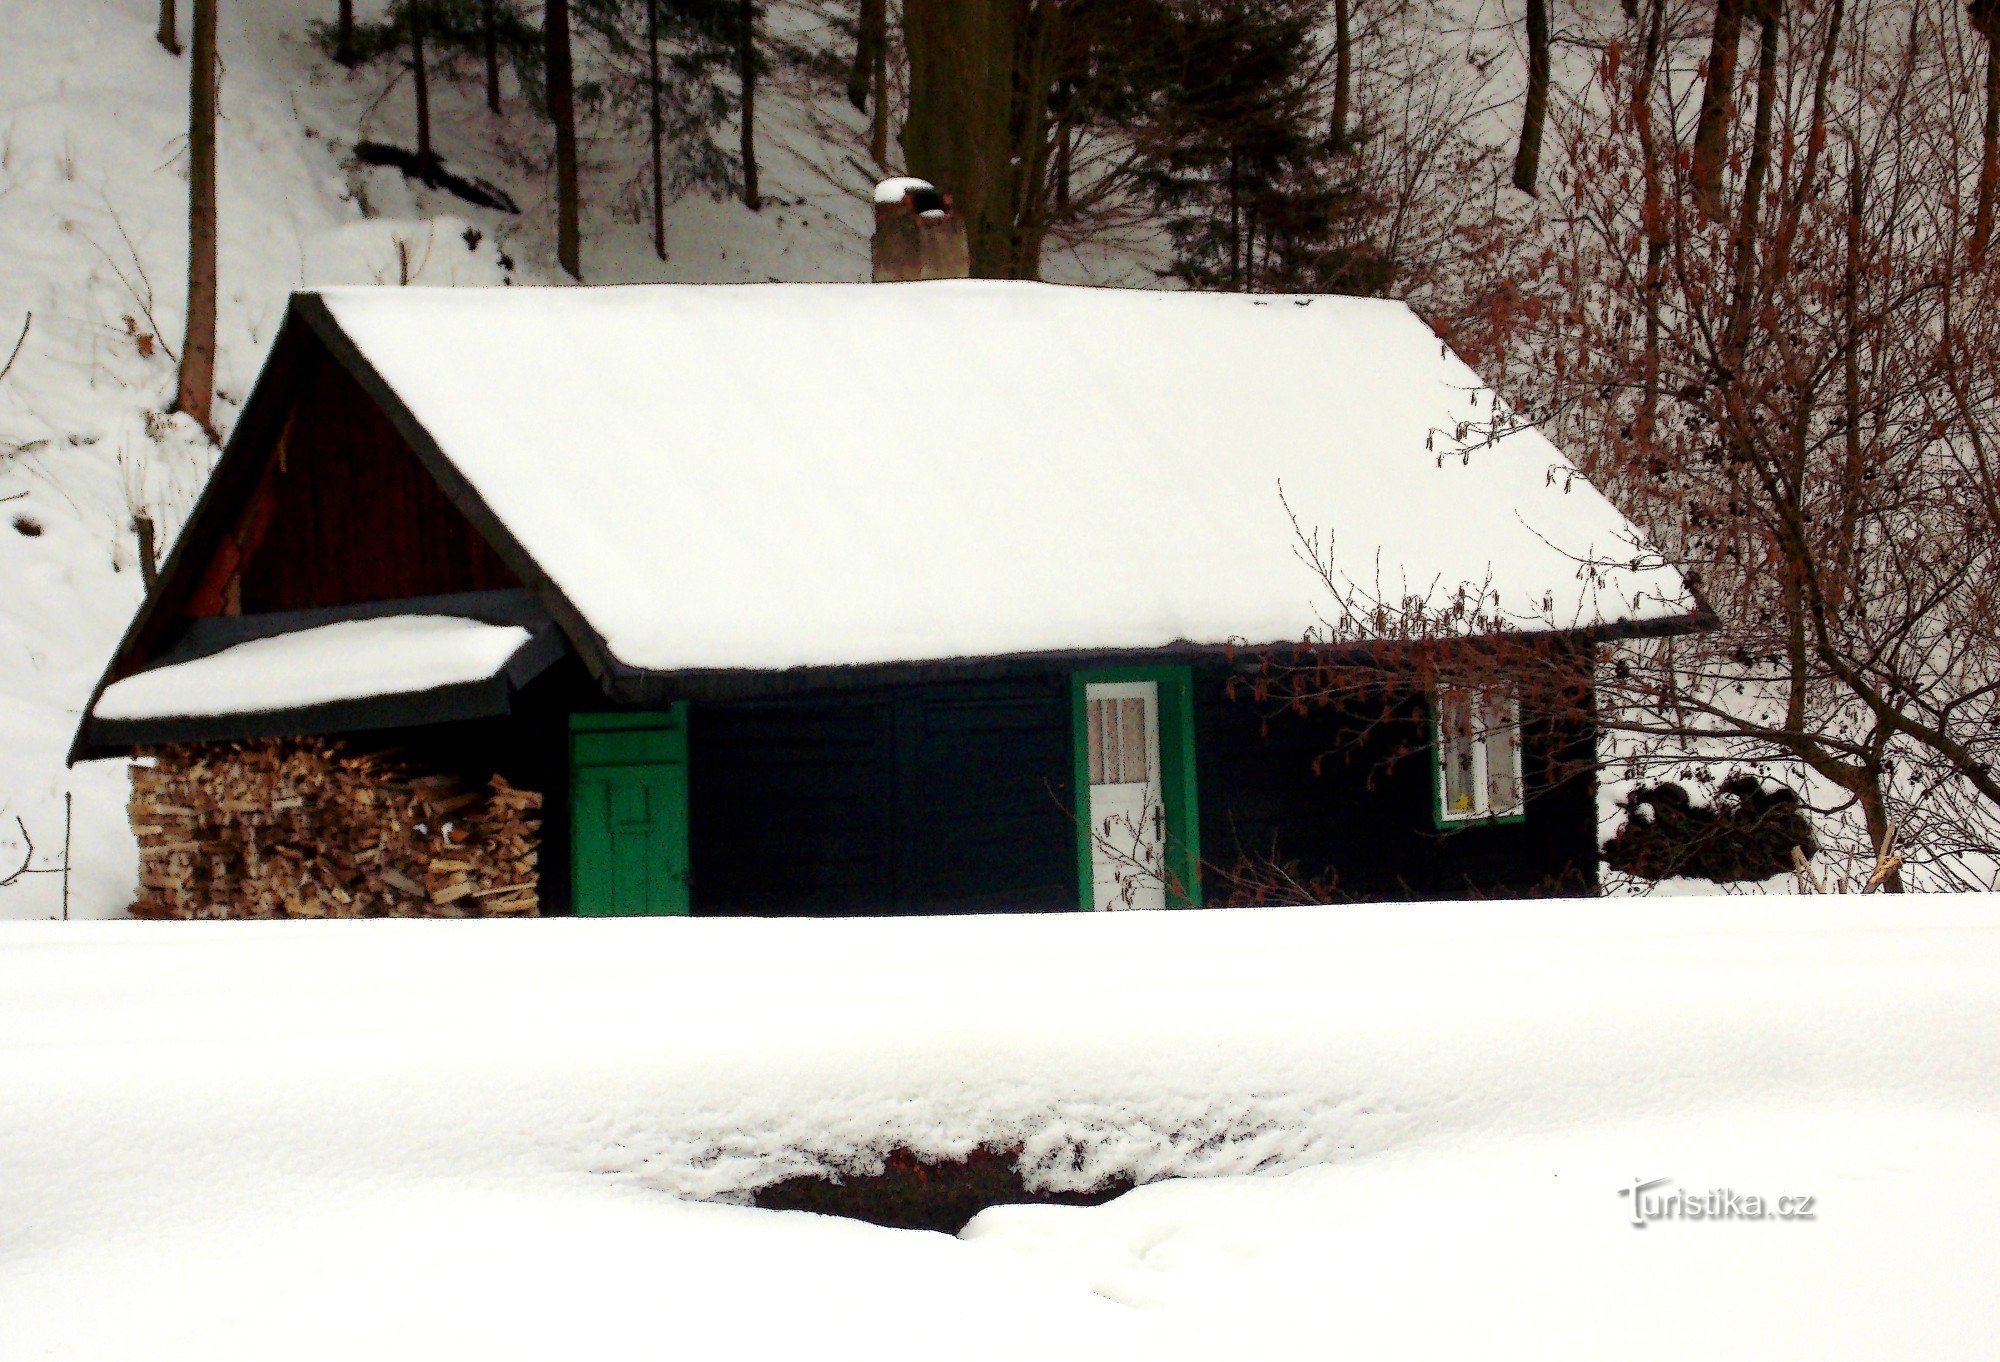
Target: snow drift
<point x="408" y="1138"/>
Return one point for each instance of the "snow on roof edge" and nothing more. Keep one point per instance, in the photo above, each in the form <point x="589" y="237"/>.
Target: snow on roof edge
<point x="325" y="664"/>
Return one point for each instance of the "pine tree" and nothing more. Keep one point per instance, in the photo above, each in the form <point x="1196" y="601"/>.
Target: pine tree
<point x="664" y="66"/>
<point x="428" y="33"/>
<point x="1237" y="155"/>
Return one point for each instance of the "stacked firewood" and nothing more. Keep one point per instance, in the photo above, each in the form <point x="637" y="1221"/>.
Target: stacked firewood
<point x="309" y="828"/>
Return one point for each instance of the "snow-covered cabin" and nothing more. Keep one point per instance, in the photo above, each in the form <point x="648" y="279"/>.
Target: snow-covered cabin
<point x="879" y="597"/>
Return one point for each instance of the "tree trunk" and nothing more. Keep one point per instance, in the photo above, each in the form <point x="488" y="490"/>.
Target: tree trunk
<point x="197" y="386"/>
<point x="1343" y="69"/>
<point x="343" y="42"/>
<point x="149" y="551"/>
<point x="1854" y="481"/>
<point x="1748" y="229"/>
<point x="169" y="38"/>
<point x="562" y="109"/>
<point x="959" y="134"/>
<point x="1653" y="218"/>
<point x="878" y="113"/>
<point x="426" y="157"/>
<point x="1875" y="810"/>
<point x="746" y="70"/>
<point x="1985" y="15"/>
<point x="492" y="41"/>
<point x="1065" y="142"/>
<point x="1534" y="112"/>
<point x="870" y="34"/>
<point x="1038" y="35"/>
<point x="1235" y="230"/>
<point x="1718" y="102"/>
<point x="657" y="129"/>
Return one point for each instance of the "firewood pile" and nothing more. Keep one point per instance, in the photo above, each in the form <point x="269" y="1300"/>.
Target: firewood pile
<point x="308" y="828"/>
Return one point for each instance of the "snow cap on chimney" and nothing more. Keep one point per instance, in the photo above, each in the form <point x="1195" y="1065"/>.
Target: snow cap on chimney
<point x="918" y="233"/>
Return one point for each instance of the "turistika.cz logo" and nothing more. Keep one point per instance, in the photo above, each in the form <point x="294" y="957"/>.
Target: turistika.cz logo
<point x="1650" y="1203"/>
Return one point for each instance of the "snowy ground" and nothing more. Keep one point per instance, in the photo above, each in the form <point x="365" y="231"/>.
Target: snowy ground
<point x="495" y="1139"/>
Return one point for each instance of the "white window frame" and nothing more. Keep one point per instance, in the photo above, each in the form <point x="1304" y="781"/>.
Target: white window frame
<point x="1483" y="746"/>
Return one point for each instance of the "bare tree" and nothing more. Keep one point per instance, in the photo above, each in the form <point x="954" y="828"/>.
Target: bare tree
<point x="197" y="366"/>
<point x="1802" y="404"/>
<point x="19" y="341"/>
<point x="168" y="36"/>
<point x="28" y="867"/>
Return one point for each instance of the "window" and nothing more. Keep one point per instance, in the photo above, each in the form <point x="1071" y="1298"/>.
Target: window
<point x="1476" y="733"/>
<point x="1119" y="748"/>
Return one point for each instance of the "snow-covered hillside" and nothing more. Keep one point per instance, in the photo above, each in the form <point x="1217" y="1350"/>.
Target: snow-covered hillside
<point x="1413" y="1125"/>
<point x="93" y="228"/>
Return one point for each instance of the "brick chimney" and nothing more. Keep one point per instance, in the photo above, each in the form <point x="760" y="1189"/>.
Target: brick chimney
<point x="918" y="233"/>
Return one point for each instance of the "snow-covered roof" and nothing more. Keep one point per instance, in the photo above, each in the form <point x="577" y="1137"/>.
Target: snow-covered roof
<point x="349" y="660"/>
<point x="769" y="476"/>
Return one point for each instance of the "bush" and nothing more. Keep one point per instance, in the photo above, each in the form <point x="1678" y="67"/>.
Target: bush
<point x="1747" y="833"/>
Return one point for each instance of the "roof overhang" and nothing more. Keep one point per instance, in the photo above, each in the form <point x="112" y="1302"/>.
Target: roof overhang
<point x="484" y="697"/>
<point x="628" y="686"/>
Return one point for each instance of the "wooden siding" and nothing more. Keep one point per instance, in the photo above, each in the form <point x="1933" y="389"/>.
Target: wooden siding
<point x="1366" y="820"/>
<point x="344" y="514"/>
<point x="948" y="797"/>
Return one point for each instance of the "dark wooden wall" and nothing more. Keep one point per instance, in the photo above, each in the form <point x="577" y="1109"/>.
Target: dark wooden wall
<point x="954" y="797"/>
<point x="940" y="797"/>
<point x="1364" y="820"/>
<point x="353" y="516"/>
<point x="946" y="797"/>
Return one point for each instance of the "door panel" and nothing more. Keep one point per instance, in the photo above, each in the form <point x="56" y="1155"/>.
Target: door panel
<point x="628" y="792"/>
<point x="1127" y="809"/>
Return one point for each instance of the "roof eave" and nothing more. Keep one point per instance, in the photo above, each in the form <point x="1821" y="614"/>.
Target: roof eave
<point x="640" y="686"/>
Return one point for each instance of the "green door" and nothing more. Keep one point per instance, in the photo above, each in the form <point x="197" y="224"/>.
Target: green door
<point x="628" y="812"/>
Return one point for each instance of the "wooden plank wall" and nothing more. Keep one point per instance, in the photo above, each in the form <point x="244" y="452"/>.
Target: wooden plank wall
<point x="352" y="516"/>
<point x="953" y="797"/>
<point x="1366" y="821"/>
<point x="942" y="797"/>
